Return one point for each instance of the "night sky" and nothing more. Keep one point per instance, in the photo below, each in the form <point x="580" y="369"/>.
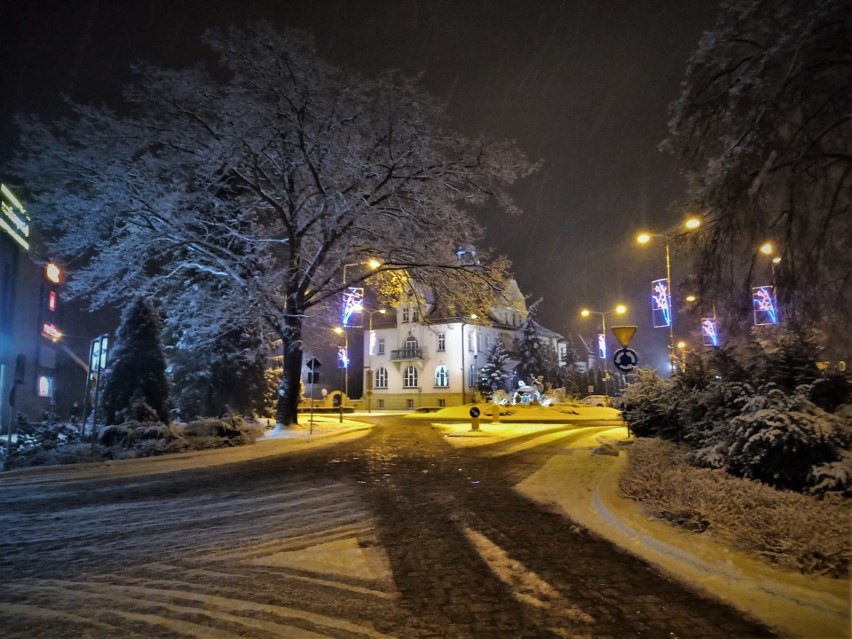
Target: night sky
<point x="582" y="86"/>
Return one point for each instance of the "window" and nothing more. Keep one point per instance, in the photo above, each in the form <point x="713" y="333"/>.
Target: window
<point x="45" y="386"/>
<point x="409" y="347"/>
<point x="470" y="341"/>
<point x="442" y="376"/>
<point x="404" y="314"/>
<point x="409" y="404"/>
<point x="442" y="341"/>
<point x="415" y="315"/>
<point x="471" y="376"/>
<point x="409" y="379"/>
<point x="442" y="403"/>
<point x="381" y="404"/>
<point x="381" y="378"/>
<point x="380" y="346"/>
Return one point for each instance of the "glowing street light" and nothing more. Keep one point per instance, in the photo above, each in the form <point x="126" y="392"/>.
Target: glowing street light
<point x="620" y="309"/>
<point x="690" y="224"/>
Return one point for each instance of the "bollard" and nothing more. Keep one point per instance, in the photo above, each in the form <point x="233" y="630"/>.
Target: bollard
<point x="495" y="414"/>
<point x="474" y="418"/>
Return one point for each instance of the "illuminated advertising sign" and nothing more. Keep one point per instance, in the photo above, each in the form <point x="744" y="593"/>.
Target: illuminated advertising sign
<point x="98" y="349"/>
<point x="342" y="357"/>
<point x="765" y="309"/>
<point x="13" y="218"/>
<point x="353" y="299"/>
<point x="661" y="307"/>
<point x="601" y="345"/>
<point x="50" y="332"/>
<point x="709" y="331"/>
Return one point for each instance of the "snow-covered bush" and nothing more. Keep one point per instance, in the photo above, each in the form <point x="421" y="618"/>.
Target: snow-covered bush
<point x="781" y="440"/>
<point x="650" y="406"/>
<point x="231" y="430"/>
<point x="35" y="439"/>
<point x="795" y="531"/>
<point x="48" y="443"/>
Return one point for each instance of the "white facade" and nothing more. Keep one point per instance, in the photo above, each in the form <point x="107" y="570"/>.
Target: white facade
<point x="412" y="364"/>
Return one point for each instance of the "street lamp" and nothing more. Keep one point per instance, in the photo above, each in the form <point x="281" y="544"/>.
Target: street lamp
<point x="345" y="361"/>
<point x="643" y="238"/>
<point x="620" y="310"/>
<point x="472" y="316"/>
<point x="768" y="249"/>
<point x="369" y="391"/>
<point x="373" y="263"/>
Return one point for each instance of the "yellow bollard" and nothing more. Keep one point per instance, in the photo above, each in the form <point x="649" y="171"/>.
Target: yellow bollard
<point x="474" y="418"/>
<point x="495" y="414"/>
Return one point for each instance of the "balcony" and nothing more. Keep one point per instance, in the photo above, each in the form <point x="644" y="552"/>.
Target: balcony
<point x="408" y="353"/>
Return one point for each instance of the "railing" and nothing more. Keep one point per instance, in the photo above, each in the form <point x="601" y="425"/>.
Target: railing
<point x="407" y="353"/>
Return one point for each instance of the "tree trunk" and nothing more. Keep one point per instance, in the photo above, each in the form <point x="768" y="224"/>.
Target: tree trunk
<point x="289" y="390"/>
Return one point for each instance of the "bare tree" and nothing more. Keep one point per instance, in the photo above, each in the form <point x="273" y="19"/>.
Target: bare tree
<point x="237" y="196"/>
<point x="764" y="131"/>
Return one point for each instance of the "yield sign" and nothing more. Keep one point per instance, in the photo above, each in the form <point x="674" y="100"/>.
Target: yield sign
<point x="624" y="334"/>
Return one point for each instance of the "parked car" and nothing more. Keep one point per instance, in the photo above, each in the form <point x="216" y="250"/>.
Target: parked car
<point x="596" y="400"/>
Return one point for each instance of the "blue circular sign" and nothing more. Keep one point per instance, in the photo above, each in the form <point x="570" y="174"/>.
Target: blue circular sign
<point x="625" y="359"/>
<point x="474" y="412"/>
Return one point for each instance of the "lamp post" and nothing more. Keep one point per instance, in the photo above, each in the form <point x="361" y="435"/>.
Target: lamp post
<point x="463" y="324"/>
<point x="620" y="310"/>
<point x="369" y="391"/>
<point x="768" y="249"/>
<point x="340" y="330"/>
<point x="643" y="238"/>
<point x="373" y="263"/>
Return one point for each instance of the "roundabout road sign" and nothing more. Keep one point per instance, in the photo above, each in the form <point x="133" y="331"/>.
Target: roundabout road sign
<point x="625" y="359"/>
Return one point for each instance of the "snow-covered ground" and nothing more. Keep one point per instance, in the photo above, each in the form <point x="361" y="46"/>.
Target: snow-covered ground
<point x="579" y="483"/>
<point x="583" y="485"/>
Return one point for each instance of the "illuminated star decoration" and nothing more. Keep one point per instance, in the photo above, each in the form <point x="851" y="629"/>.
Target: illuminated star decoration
<point x="353" y="298"/>
<point x="765" y="311"/>
<point x="709" y="331"/>
<point x="660" y="303"/>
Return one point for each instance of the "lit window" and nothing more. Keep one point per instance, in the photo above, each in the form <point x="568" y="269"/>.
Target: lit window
<point x="45" y="386"/>
<point x="442" y="376"/>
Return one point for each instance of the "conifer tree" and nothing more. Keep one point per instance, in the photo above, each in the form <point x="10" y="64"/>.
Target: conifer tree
<point x="533" y="361"/>
<point x="493" y="375"/>
<point x="136" y="386"/>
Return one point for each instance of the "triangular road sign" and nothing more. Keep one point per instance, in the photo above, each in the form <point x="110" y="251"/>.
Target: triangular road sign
<point x="624" y="334"/>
